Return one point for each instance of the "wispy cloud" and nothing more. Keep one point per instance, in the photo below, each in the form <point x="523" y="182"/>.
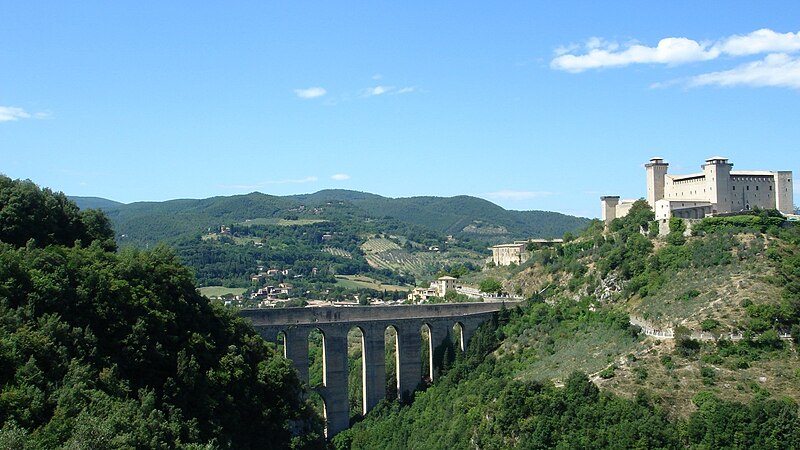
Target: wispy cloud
<point x="760" y="41"/>
<point x="779" y="67"/>
<point x="312" y="92"/>
<point x="12" y="113"/>
<point x="340" y="177"/>
<point x="380" y="90"/>
<point x="779" y="70"/>
<point x="602" y="54"/>
<point x="377" y="90"/>
<point x="516" y="195"/>
<point x="310" y="179"/>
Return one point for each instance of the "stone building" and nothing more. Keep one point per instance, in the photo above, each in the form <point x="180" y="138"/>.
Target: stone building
<point x="505" y="254"/>
<point x="438" y="288"/>
<point x="716" y="190"/>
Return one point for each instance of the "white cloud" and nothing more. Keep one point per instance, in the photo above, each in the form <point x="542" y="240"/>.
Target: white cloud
<point x="760" y="41"/>
<point x="516" y="195"/>
<point x="10" y="113"/>
<point x="377" y="90"/>
<point x="405" y="90"/>
<point x="377" y="76"/>
<point x="312" y="92"/>
<point x="604" y="54"/>
<point x="778" y="70"/>
<point x="340" y="177"/>
<point x="599" y="53"/>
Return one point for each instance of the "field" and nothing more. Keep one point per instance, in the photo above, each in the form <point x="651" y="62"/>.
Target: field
<point x="218" y="291"/>
<point x="361" y="282"/>
<point x="337" y="252"/>
<point x="383" y="253"/>
<point x="379" y="245"/>
<point x="280" y="222"/>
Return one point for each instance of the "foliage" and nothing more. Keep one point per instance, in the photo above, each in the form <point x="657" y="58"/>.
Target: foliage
<point x="491" y="285"/>
<point x="106" y="350"/>
<point x="751" y="222"/>
<point x="28" y="212"/>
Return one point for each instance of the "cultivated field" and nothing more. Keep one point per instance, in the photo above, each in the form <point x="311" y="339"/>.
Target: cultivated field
<point x="379" y="245"/>
<point x="337" y="252"/>
<point x="218" y="291"/>
<point x="280" y="222"/>
<point x="360" y="282"/>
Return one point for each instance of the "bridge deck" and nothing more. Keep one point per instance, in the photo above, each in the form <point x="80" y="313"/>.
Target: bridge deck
<point x="345" y="314"/>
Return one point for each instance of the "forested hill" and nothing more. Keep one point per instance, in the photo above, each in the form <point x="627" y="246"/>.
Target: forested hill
<point x="569" y="370"/>
<point x="460" y="216"/>
<point x="104" y="349"/>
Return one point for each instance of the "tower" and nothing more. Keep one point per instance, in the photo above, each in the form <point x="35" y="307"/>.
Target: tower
<point x="717" y="171"/>
<point x="608" y="207"/>
<point x="656" y="172"/>
<point x="784" y="192"/>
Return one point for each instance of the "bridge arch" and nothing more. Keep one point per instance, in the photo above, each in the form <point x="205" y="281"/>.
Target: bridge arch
<point x="458" y="337"/>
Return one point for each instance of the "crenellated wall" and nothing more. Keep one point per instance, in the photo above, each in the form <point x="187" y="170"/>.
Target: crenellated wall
<point x="335" y="322"/>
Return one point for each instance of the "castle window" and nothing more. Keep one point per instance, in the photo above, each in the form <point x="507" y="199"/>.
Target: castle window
<point x="770" y="188"/>
<point x="756" y="187"/>
<point x="748" y="188"/>
<point x="734" y="188"/>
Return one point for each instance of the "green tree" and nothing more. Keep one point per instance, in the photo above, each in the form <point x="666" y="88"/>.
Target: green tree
<point x="491" y="285"/>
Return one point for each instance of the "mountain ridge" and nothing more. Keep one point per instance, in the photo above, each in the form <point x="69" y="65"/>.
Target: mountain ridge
<point x="458" y="215"/>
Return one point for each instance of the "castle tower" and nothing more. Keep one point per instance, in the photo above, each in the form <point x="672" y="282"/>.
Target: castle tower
<point x="608" y="207"/>
<point x="784" y="192"/>
<point x="717" y="170"/>
<point x="656" y="172"/>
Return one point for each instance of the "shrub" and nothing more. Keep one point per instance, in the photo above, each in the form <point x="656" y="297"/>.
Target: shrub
<point x="709" y="325"/>
<point x="608" y="372"/>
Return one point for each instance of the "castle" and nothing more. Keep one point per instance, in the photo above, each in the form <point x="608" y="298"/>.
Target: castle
<point x="715" y="190"/>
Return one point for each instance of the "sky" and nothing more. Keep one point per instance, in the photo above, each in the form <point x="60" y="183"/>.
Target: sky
<point x="533" y="105"/>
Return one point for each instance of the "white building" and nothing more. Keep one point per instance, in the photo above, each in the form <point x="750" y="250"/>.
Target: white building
<point x="438" y="288"/>
<point x="716" y="190"/>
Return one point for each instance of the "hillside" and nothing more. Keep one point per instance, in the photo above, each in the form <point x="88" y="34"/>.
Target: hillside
<point x="148" y="222"/>
<point x="569" y="370"/>
<point x="94" y="202"/>
<point x="106" y="349"/>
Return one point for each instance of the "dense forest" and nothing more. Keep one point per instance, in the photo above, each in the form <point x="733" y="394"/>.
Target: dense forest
<point x="105" y="349"/>
<point x="463" y="216"/>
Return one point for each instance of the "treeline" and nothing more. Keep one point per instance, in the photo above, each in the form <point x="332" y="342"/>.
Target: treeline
<point x="107" y="350"/>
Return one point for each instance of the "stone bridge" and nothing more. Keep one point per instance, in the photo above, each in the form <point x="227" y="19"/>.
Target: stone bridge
<point x="295" y="324"/>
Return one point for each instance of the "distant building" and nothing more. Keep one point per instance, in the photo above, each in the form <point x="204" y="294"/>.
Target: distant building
<point x="444" y="284"/>
<point x="505" y="254"/>
<point x="716" y="190"/>
<point x="438" y="288"/>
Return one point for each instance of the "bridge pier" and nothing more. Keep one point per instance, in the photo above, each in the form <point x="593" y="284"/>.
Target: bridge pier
<point x="295" y="348"/>
<point x="334" y="388"/>
<point x="373" y="366"/>
<point x="409" y="360"/>
<point x="440" y="332"/>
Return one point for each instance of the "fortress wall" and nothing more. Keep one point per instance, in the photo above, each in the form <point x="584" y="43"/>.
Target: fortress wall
<point x="748" y="192"/>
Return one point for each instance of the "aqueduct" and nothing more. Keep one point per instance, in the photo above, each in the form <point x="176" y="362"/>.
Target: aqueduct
<point x="295" y="324"/>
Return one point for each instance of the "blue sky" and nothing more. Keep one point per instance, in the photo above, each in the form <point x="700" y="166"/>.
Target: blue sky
<point x="532" y="105"/>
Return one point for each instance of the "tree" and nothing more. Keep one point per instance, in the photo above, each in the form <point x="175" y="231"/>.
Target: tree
<point x="491" y="285"/>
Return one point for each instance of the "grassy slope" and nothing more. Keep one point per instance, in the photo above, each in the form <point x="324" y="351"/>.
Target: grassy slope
<point x="638" y="364"/>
